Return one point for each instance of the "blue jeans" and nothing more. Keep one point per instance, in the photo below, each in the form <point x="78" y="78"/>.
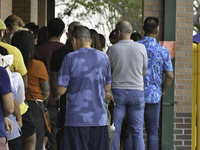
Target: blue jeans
<point x="151" y="118"/>
<point x="132" y="103"/>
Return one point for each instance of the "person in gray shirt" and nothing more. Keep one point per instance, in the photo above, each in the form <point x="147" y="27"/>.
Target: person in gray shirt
<point x="128" y="66"/>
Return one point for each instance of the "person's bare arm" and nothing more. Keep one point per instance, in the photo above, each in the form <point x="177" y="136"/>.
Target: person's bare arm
<point x="17" y="113"/>
<point x="108" y="96"/>
<point x="54" y="76"/>
<point x="144" y="71"/>
<point x="25" y="79"/>
<point x="107" y="88"/>
<point x="8" y="105"/>
<point x="61" y="90"/>
<point x="45" y="87"/>
<point x="168" y="80"/>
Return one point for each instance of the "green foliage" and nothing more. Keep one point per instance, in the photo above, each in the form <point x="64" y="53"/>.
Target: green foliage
<point x="196" y="18"/>
<point x="112" y="11"/>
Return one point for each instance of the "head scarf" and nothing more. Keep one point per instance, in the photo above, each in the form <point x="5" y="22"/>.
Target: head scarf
<point x="6" y="61"/>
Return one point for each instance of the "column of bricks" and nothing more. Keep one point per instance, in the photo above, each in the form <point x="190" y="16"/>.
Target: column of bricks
<point x="42" y="13"/>
<point x="27" y="10"/>
<point x="34" y="11"/>
<point x="155" y="8"/>
<point x="183" y="75"/>
<point x="5" y="8"/>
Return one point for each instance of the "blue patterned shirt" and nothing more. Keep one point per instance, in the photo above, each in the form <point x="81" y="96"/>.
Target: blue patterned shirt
<point x="158" y="62"/>
<point x="84" y="73"/>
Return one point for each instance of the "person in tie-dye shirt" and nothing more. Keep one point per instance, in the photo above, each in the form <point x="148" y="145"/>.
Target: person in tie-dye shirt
<point x="85" y="75"/>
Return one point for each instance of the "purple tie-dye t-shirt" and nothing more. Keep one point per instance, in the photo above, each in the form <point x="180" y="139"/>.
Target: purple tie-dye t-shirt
<point x="85" y="73"/>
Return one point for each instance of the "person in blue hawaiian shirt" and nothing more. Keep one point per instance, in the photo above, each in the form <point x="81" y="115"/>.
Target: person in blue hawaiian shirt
<point x="85" y="75"/>
<point x="159" y="62"/>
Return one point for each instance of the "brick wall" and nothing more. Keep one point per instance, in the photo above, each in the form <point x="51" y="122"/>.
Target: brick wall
<point x="155" y="8"/>
<point x="21" y="8"/>
<point x="5" y="8"/>
<point x="31" y="11"/>
<point x="26" y="10"/>
<point x="183" y="75"/>
<point x="42" y="13"/>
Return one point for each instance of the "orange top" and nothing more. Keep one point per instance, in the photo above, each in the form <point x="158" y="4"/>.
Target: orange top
<point x="37" y="72"/>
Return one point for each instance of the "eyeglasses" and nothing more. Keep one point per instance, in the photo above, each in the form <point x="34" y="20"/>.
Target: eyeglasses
<point x="118" y="30"/>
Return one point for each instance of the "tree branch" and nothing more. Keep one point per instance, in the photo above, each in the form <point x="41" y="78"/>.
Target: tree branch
<point x="196" y="17"/>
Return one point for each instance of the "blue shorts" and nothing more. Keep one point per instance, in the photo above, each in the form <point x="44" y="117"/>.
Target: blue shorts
<point x="85" y="138"/>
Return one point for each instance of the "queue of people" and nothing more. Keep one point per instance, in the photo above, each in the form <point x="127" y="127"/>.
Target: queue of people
<point x="76" y="82"/>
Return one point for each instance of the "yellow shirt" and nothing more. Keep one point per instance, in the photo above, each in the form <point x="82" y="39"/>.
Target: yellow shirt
<point x="18" y="62"/>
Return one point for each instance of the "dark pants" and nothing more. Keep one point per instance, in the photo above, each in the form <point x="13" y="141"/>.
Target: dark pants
<point x="61" y="120"/>
<point x="54" y="129"/>
<point x="15" y="144"/>
<point x="39" y="123"/>
<point x="86" y="138"/>
<point x="151" y="118"/>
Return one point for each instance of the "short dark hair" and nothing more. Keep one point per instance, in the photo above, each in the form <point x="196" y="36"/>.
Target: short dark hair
<point x="113" y="37"/>
<point x="81" y="33"/>
<point x="135" y="36"/>
<point x="43" y="35"/>
<point x="55" y="27"/>
<point x="33" y="27"/>
<point x="150" y="25"/>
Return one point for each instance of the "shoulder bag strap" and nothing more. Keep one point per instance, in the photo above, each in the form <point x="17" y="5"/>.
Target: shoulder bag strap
<point x="35" y="100"/>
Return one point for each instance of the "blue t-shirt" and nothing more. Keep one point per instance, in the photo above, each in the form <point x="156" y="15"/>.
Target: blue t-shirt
<point x="158" y="62"/>
<point x="5" y="88"/>
<point x="85" y="73"/>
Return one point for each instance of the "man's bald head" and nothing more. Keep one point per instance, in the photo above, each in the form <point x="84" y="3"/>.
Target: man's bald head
<point x="71" y="26"/>
<point x="125" y="27"/>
